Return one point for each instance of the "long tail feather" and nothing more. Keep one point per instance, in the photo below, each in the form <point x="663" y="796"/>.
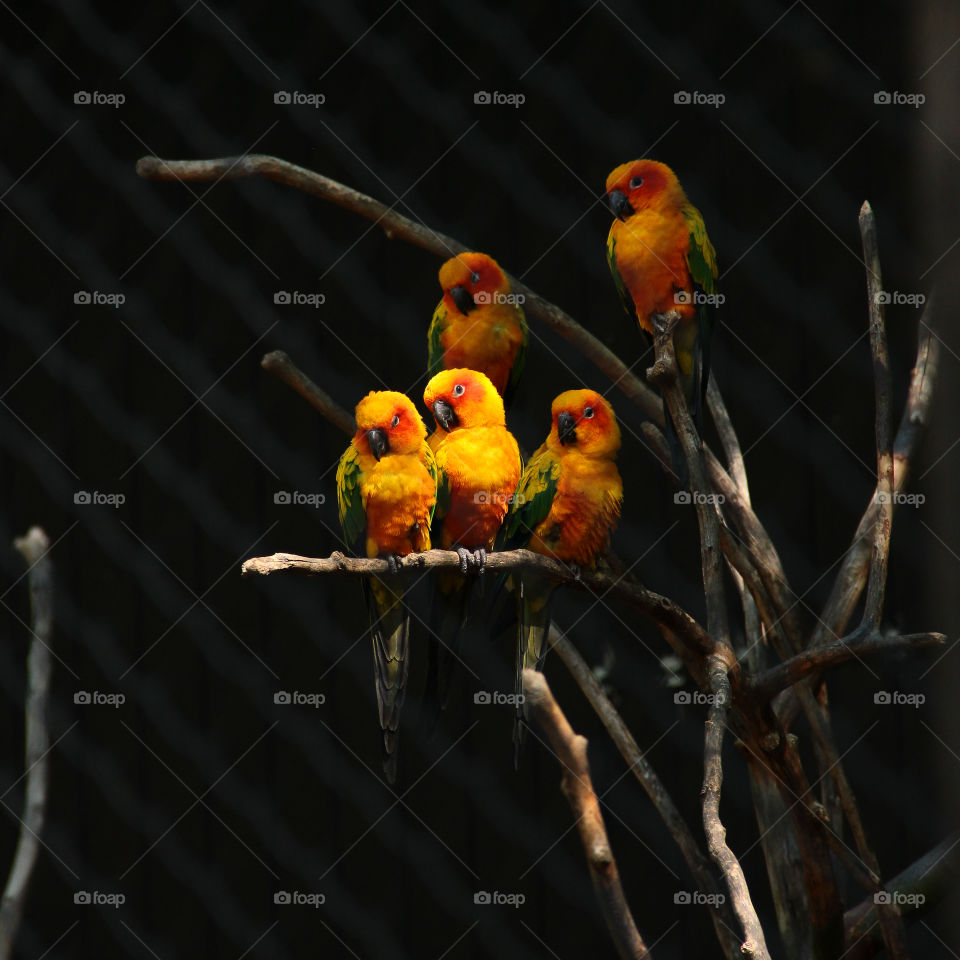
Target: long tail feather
<point x="448" y="616"/>
<point x="390" y="630"/>
<point x="533" y="625"/>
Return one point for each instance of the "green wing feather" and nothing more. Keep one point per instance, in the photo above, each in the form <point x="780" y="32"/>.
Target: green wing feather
<point x="442" y="506"/>
<point x="622" y="290"/>
<point x="519" y="362"/>
<point x="532" y="500"/>
<point x="434" y="348"/>
<point x="353" y="516"/>
<point x="702" y="263"/>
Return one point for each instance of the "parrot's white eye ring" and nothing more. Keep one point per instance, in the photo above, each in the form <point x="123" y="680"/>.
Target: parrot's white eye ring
<point x="587" y="413"/>
<point x="395" y="420"/>
<point x="458" y="390"/>
<point x="636" y="182"/>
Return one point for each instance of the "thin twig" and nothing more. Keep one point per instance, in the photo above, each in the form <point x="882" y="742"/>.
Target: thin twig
<point x="34" y="548"/>
<point x="647" y="777"/>
<point x="571" y="750"/>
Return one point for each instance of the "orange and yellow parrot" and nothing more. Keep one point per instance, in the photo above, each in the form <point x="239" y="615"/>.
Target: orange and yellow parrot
<point x="478" y="324"/>
<point x="478" y="466"/>
<point x="386" y="494"/>
<point x="661" y="259"/>
<point x="566" y="505"/>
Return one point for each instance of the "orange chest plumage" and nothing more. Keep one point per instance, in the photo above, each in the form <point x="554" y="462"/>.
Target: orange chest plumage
<point x="651" y="256"/>
<point x="482" y="467"/>
<point x="584" y="511"/>
<point x="488" y="340"/>
<point x="398" y="494"/>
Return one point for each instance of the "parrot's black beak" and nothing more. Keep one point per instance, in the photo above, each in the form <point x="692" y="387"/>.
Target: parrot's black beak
<point x="462" y="299"/>
<point x="566" y="428"/>
<point x="620" y="205"/>
<point x="444" y="413"/>
<point x="379" y="444"/>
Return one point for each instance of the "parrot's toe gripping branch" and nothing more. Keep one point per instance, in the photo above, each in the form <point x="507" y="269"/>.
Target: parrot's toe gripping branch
<point x="393" y="561"/>
<point x="466" y="558"/>
<point x="480" y="559"/>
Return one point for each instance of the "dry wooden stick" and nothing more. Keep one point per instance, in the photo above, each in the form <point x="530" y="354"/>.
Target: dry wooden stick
<point x="34" y="548"/>
<point x="281" y="366"/>
<point x="722" y="662"/>
<point x="638" y="764"/>
<point x="571" y="750"/>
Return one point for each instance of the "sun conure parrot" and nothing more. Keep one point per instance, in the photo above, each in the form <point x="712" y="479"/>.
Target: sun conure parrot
<point x="478" y="324"/>
<point x="661" y="259"/>
<point x="566" y="506"/>
<point x="386" y="494"/>
<point x="478" y="466"/>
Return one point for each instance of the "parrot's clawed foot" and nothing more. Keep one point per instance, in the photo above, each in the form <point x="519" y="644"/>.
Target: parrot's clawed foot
<point x="466" y="558"/>
<point x="393" y="562"/>
<point x="480" y="559"/>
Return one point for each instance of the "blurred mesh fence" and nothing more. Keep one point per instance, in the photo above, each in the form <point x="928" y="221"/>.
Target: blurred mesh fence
<point x="200" y="798"/>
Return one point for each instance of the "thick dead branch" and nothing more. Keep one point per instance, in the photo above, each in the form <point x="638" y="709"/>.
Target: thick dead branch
<point x="34" y="548"/>
<point x="577" y="787"/>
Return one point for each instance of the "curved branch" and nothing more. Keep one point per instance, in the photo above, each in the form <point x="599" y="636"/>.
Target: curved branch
<point x="571" y="750"/>
<point x="34" y="548"/>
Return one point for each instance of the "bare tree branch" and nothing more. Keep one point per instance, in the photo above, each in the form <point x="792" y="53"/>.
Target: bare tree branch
<point x="34" y="548"/>
<point x="577" y="787"/>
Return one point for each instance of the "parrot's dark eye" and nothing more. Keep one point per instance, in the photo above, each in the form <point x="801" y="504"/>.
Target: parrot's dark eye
<point x="458" y="390"/>
<point x="587" y="413"/>
<point x="636" y="182"/>
<point x="395" y="420"/>
<point x="474" y="277"/>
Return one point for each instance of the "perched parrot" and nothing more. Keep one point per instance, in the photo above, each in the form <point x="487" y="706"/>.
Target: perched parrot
<point x="386" y="494"/>
<point x="478" y="466"/>
<point x="661" y="259"/>
<point x="477" y="324"/>
<point x="566" y="506"/>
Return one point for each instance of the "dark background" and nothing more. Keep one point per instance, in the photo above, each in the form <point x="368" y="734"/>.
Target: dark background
<point x="200" y="797"/>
